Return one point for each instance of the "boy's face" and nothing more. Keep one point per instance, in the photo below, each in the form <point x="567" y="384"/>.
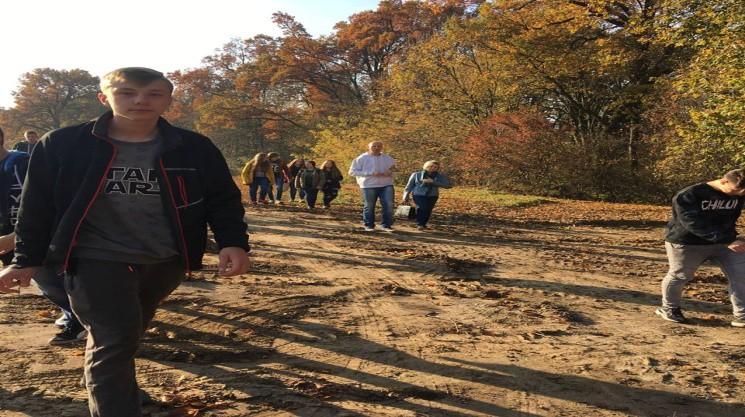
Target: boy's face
<point x="135" y="102"/>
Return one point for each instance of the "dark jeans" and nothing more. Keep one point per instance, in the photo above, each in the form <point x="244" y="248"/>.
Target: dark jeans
<point x="329" y="194"/>
<point x="259" y="183"/>
<point x="424" y="207"/>
<point x="52" y="285"/>
<point x="279" y="184"/>
<point x="294" y="190"/>
<point x="311" y="195"/>
<point x="115" y="302"/>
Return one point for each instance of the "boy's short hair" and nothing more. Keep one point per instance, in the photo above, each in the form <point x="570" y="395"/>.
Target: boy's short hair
<point x="736" y="177"/>
<point x="137" y="75"/>
<point x="272" y="154"/>
<point x="28" y="132"/>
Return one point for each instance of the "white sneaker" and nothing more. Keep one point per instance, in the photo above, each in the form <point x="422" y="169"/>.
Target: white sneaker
<point x="369" y="229"/>
<point x="387" y="229"/>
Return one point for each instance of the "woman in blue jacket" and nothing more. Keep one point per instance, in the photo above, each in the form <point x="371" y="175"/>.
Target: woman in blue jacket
<point x="424" y="187"/>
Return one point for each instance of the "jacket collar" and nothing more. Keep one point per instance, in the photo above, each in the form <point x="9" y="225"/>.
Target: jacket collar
<point x="171" y="137"/>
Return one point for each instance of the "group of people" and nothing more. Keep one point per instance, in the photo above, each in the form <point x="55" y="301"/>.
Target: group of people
<point x="266" y="175"/>
<point x="109" y="216"/>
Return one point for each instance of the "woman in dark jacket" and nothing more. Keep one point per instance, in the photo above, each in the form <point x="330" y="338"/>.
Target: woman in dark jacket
<point x="424" y="186"/>
<point x="293" y="168"/>
<point x="310" y="179"/>
<point x="332" y="182"/>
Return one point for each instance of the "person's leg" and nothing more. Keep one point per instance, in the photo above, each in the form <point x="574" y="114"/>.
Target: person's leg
<point x="264" y="187"/>
<point x="105" y="297"/>
<point x="293" y="190"/>
<point x="369" y="196"/>
<point x="386" y="205"/>
<point x="52" y="286"/>
<point x="311" y="194"/>
<point x="423" y="209"/>
<point x="733" y="266"/>
<point x="683" y="262"/>
<point x="280" y="183"/>
<point x="157" y="281"/>
<point x="253" y="188"/>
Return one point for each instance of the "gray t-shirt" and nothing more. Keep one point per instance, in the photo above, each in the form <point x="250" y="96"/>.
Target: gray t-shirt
<point x="127" y="222"/>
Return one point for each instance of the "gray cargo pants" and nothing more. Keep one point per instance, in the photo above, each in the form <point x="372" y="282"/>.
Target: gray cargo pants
<point x="115" y="302"/>
<point x="684" y="260"/>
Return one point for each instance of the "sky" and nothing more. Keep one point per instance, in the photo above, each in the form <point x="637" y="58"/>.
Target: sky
<point x="101" y="35"/>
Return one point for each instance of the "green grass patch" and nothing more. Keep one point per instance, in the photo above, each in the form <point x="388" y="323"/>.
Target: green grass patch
<point x="350" y="195"/>
<point x="483" y="195"/>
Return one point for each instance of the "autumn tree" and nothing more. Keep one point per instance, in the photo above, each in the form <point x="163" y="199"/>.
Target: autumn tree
<point x="49" y="99"/>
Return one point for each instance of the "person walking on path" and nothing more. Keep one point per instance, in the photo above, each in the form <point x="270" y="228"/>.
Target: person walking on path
<point x="374" y="173"/>
<point x="424" y="186"/>
<point x="293" y="168"/>
<point x="702" y="228"/>
<point x="258" y="175"/>
<point x="13" y="165"/>
<point x="310" y="180"/>
<point x="121" y="204"/>
<point x="281" y="176"/>
<point x="332" y="182"/>
<point x="31" y="138"/>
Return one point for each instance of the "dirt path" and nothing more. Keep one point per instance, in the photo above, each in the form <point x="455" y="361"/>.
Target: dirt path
<point x="498" y="318"/>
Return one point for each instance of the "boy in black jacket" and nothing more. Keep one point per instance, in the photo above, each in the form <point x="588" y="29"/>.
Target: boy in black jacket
<point x="121" y="205"/>
<point x="703" y="228"/>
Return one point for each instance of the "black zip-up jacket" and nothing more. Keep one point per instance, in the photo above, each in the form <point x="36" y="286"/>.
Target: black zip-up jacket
<point x="703" y="215"/>
<point x="69" y="167"/>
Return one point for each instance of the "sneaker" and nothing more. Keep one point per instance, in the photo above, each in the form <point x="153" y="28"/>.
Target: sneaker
<point x="671" y="314"/>
<point x="61" y="322"/>
<point x="369" y="229"/>
<point x="420" y="227"/>
<point x="69" y="335"/>
<point x="738" y="322"/>
<point x="387" y="229"/>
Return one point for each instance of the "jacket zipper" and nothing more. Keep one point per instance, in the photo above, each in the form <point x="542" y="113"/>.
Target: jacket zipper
<point x="182" y="190"/>
<point x="87" y="209"/>
<point x="178" y="217"/>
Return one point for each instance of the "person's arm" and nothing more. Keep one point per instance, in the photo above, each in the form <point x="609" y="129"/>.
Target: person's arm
<point x="688" y="208"/>
<point x="285" y="173"/>
<point x="321" y="180"/>
<point x="357" y="168"/>
<point x="37" y="212"/>
<point x="409" y="186"/>
<point x="441" y="180"/>
<point x="246" y="173"/>
<point x="223" y="201"/>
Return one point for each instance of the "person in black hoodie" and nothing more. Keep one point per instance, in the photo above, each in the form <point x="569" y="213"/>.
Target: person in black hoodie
<point x="702" y="228"/>
<point x="310" y="179"/>
<point x="121" y="205"/>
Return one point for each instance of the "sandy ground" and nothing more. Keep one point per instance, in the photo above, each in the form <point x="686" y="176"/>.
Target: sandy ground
<point x="509" y="315"/>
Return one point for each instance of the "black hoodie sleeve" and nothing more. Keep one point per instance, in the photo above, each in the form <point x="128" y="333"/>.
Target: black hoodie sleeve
<point x="37" y="212"/>
<point x="223" y="201"/>
<point x="687" y="206"/>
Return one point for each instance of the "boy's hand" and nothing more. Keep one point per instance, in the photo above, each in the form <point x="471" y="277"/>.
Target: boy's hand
<point x="7" y="243"/>
<point x="233" y="261"/>
<point x="11" y="277"/>
<point x="737" y="246"/>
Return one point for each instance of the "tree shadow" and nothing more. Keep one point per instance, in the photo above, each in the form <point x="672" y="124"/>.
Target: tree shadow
<point x="314" y="336"/>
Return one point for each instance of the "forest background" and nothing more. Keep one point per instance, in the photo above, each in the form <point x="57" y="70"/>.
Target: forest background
<point x="622" y="100"/>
